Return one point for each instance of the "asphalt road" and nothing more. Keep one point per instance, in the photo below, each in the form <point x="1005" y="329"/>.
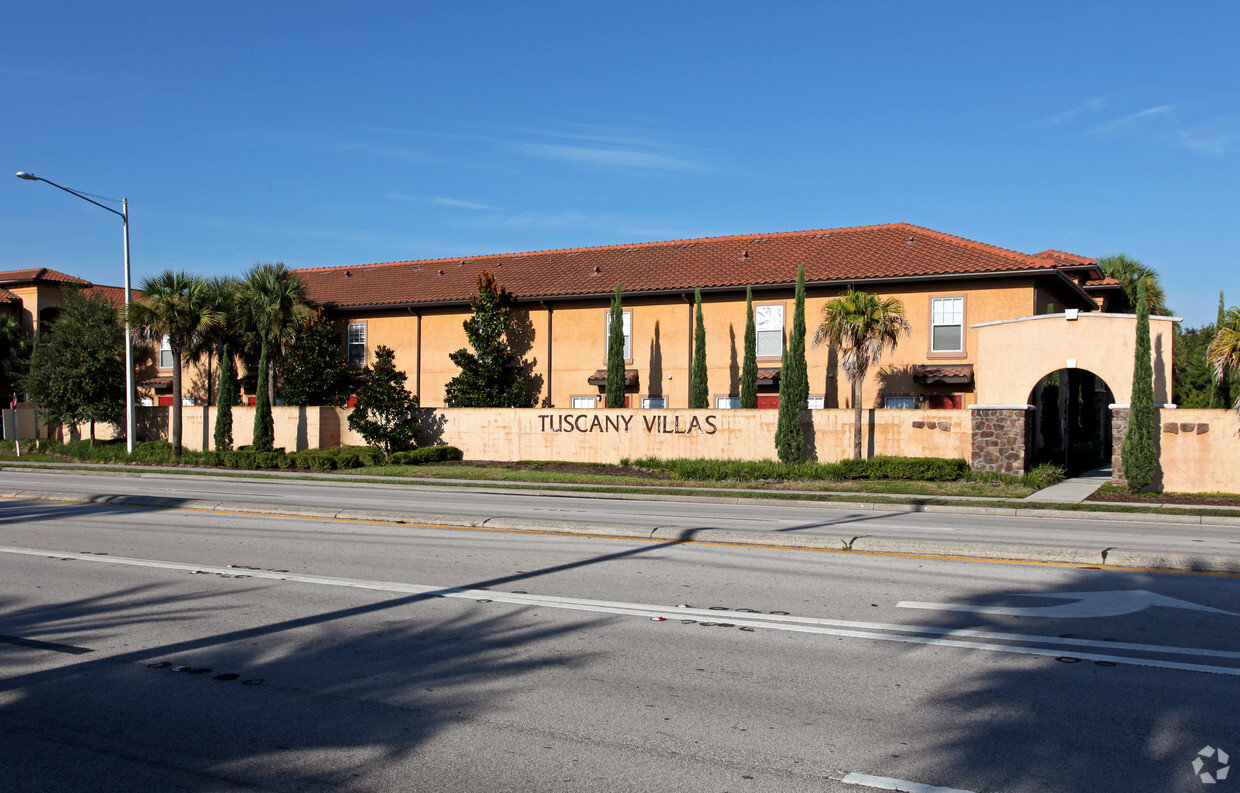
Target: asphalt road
<point x="444" y="503"/>
<point x="361" y="656"/>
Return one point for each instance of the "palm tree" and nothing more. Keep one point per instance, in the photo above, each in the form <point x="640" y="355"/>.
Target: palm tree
<point x="1224" y="351"/>
<point x="173" y="305"/>
<point x="1129" y="271"/>
<point x="274" y="301"/>
<point x="861" y="325"/>
<point x="221" y="343"/>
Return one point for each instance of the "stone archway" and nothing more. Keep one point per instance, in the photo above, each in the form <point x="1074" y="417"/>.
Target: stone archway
<point x="1070" y="420"/>
<point x="1013" y="353"/>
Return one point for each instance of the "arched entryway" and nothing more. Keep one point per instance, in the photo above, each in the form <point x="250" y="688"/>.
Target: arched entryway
<point x="1070" y="423"/>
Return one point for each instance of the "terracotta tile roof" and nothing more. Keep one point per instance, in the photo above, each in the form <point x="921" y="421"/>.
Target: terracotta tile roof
<point x="769" y="374"/>
<point x="114" y="294"/>
<point x="1101" y="282"/>
<point x="930" y="374"/>
<point x="39" y="274"/>
<point x="157" y="382"/>
<point x="1064" y="258"/>
<point x="8" y="297"/>
<point x="600" y="378"/>
<point x="897" y="250"/>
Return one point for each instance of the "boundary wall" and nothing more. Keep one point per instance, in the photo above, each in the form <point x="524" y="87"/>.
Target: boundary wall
<point x="600" y="436"/>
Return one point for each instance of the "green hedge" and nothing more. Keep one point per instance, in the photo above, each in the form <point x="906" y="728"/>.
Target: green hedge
<point x="426" y="454"/>
<point x="923" y="469"/>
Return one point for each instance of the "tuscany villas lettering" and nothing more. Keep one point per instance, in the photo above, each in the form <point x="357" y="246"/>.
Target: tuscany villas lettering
<point x="655" y="424"/>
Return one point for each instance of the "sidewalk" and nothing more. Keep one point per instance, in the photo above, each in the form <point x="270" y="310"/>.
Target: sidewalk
<point x="1075" y="490"/>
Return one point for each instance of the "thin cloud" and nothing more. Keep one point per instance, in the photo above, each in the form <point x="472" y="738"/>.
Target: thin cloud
<point x="1137" y="121"/>
<point x="624" y="158"/>
<point x="1092" y="106"/>
<point x="443" y="201"/>
<point x="453" y="202"/>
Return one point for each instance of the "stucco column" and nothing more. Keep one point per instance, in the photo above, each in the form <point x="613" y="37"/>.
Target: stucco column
<point x="999" y="438"/>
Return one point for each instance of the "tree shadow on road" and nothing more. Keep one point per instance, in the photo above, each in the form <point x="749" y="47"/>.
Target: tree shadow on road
<point x="1084" y="716"/>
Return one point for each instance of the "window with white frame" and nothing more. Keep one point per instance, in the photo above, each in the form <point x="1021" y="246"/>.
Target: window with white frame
<point x="816" y="403"/>
<point x="899" y="402"/>
<point x="769" y="322"/>
<point x="626" y="321"/>
<point x="657" y="403"/>
<point x="357" y="344"/>
<point x="947" y="324"/>
<point x="727" y="403"/>
<point x="165" y="353"/>
<point x="582" y="403"/>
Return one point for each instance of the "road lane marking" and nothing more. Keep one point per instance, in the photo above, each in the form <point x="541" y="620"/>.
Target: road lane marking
<point x="1087" y="604"/>
<point x="887" y="783"/>
<point x="575" y="535"/>
<point x="965" y="639"/>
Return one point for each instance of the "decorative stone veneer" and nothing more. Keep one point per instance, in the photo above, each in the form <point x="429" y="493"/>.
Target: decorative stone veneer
<point x="999" y="440"/>
<point x="1119" y="426"/>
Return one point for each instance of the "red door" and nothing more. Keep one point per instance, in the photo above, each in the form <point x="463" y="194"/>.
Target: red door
<point x="768" y="401"/>
<point x="164" y="401"/>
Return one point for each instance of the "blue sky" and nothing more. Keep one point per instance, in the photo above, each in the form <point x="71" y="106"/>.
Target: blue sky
<point x="323" y="134"/>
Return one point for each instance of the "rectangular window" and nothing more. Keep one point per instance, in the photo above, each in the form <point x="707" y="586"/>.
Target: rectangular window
<point x="947" y="324"/>
<point x="626" y="320"/>
<point x="165" y="353"/>
<point x="357" y="344"/>
<point x="816" y="403"/>
<point x="728" y="403"/>
<point x="900" y="403"/>
<point x="769" y="322"/>
<point x="583" y="403"/>
<point x="655" y="403"/>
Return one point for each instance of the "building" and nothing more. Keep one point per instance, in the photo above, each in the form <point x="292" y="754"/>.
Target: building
<point x="948" y="286"/>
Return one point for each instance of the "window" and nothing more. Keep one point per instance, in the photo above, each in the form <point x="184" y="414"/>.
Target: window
<point x="900" y="403"/>
<point x="947" y="324"/>
<point x="727" y="403"/>
<point x="816" y="403"/>
<point x="769" y="322"/>
<point x="657" y="403"/>
<point x="626" y="320"/>
<point x="581" y="403"/>
<point x="357" y="344"/>
<point x="165" y="353"/>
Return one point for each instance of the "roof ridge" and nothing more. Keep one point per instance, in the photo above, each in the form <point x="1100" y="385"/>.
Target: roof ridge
<point x="620" y="246"/>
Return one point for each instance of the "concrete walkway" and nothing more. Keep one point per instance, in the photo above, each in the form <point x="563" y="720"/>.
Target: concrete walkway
<point x="1075" y="490"/>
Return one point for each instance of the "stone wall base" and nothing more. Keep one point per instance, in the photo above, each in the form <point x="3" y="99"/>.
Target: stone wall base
<point x="1000" y="443"/>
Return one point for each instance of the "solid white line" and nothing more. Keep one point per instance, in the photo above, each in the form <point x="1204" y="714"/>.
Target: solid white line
<point x="778" y="622"/>
<point x="887" y="783"/>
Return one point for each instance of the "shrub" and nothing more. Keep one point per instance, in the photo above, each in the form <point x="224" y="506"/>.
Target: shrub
<point x="1043" y="475"/>
<point x="932" y="469"/>
<point x="426" y="454"/>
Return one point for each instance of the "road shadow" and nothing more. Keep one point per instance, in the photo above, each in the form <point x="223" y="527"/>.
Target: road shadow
<point x="1084" y="716"/>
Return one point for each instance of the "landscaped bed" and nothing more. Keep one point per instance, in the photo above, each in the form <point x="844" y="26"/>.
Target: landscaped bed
<point x="1118" y="494"/>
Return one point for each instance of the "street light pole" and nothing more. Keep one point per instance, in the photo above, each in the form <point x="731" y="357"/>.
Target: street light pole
<point x="130" y="414"/>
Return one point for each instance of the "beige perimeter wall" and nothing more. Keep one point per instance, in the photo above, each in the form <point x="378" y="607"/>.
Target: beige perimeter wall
<point x="1199" y="451"/>
<point x="603" y="436"/>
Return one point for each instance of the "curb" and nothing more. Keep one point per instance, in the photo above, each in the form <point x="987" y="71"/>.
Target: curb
<point x="946" y="549"/>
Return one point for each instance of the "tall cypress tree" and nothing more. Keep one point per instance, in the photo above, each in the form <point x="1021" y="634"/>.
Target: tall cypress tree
<point x="1139" y="458"/>
<point x="615" y="355"/>
<point x="749" y="367"/>
<point x="699" y="393"/>
<point x="1220" y="390"/>
<point x="793" y="383"/>
<point x="225" y="399"/>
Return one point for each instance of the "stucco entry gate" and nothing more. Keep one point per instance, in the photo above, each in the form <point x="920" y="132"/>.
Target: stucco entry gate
<point x="1015" y="354"/>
